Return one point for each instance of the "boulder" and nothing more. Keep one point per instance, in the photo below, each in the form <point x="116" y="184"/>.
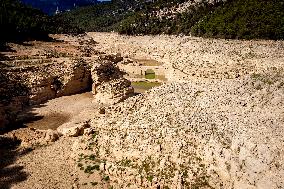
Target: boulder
<point x="102" y="110"/>
<point x="72" y="129"/>
<point x="115" y="58"/>
<point x="51" y="136"/>
<point x="89" y="131"/>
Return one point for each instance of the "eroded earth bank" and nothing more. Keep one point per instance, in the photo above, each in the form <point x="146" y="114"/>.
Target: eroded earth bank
<point x="71" y="118"/>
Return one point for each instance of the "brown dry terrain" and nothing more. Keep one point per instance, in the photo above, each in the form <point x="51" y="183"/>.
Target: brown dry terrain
<point x="216" y="122"/>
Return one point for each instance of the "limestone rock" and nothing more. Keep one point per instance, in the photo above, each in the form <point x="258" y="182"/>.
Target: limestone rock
<point x="29" y="85"/>
<point x="72" y="129"/>
<point x="51" y="136"/>
<point x="32" y="137"/>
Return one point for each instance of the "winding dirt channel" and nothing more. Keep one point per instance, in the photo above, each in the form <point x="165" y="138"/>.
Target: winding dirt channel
<point x="56" y="112"/>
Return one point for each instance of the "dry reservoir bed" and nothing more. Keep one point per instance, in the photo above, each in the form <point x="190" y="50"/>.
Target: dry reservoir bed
<point x="217" y="123"/>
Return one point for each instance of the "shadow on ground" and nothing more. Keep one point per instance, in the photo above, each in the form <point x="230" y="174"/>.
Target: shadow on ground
<point x="9" y="152"/>
<point x="21" y="121"/>
<point x="4" y="48"/>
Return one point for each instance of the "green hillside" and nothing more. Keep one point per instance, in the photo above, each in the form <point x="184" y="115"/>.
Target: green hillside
<point x="144" y="23"/>
<point x="242" y="19"/>
<point x="109" y="16"/>
<point x="246" y="19"/>
<point x="237" y="19"/>
<point x="18" y="21"/>
<point x="95" y="18"/>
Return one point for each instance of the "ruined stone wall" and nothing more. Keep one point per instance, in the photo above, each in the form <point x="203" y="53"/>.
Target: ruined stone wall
<point x="140" y="70"/>
<point x="109" y="86"/>
<point x="187" y="58"/>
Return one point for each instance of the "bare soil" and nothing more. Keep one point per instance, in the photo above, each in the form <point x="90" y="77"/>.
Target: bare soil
<point x="56" y="112"/>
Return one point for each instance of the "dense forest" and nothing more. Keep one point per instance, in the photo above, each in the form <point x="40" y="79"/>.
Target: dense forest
<point x="247" y="19"/>
<point x="241" y="19"/>
<point x="19" y="22"/>
<point x="109" y="16"/>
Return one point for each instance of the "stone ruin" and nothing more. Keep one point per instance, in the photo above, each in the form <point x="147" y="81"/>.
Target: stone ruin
<point x="109" y="86"/>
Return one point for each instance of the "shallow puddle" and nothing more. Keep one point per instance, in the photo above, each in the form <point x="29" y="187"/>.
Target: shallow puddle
<point x="143" y="86"/>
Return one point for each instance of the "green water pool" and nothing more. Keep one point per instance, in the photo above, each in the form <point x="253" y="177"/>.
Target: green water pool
<point x="142" y="86"/>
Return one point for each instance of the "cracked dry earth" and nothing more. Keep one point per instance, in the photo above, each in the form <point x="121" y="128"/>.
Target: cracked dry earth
<point x="207" y="130"/>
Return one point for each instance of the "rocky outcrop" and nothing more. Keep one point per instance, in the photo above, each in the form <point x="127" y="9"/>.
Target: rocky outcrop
<point x="28" y="85"/>
<point x="32" y="137"/>
<point x="109" y="86"/>
<point x="53" y="81"/>
<point x="73" y="129"/>
<point x="13" y="97"/>
<point x="47" y="81"/>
